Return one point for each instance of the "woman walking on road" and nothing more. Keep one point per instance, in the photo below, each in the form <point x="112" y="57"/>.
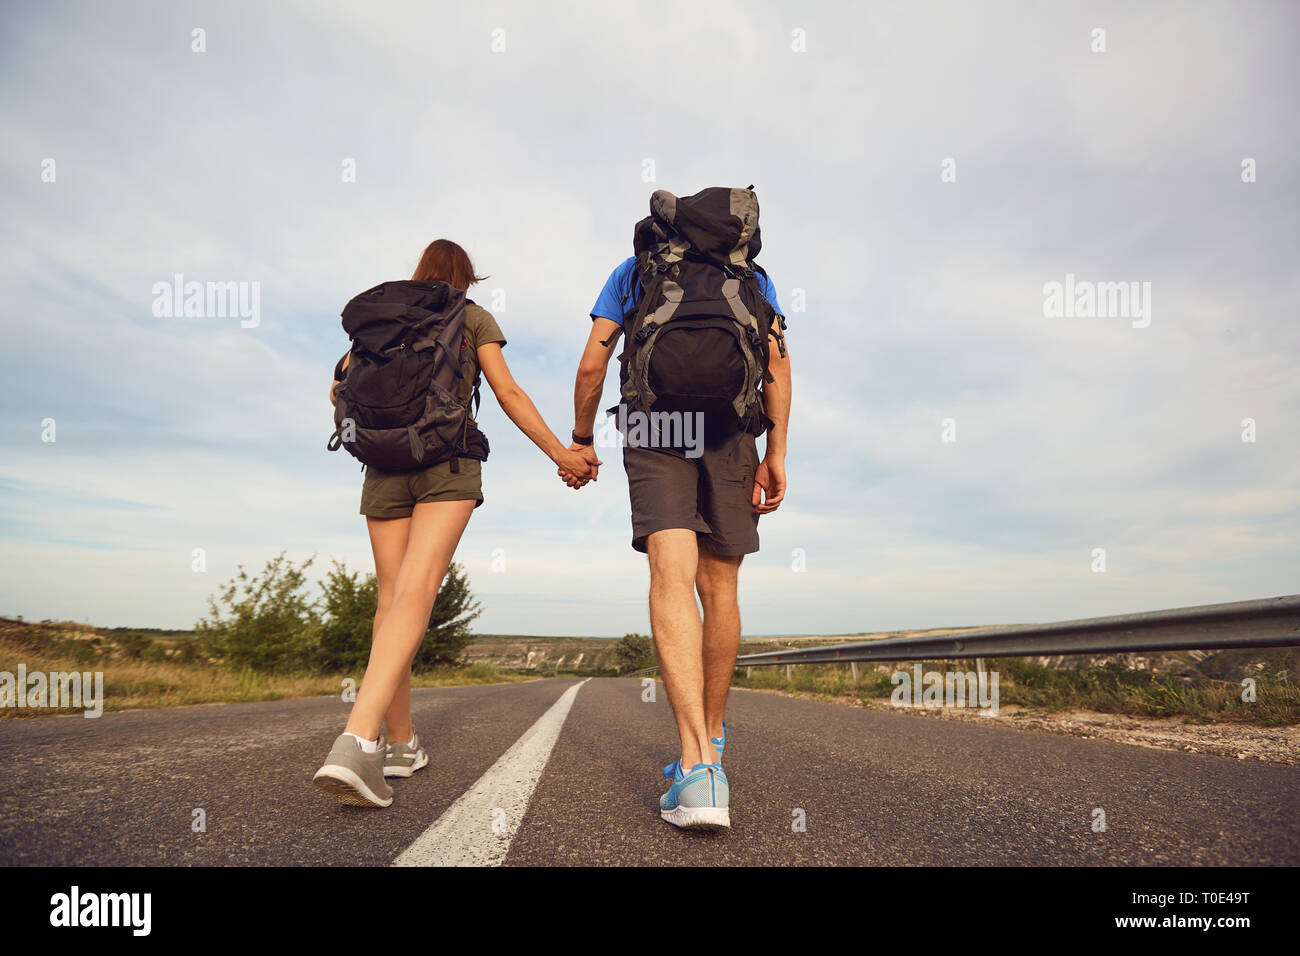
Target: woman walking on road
<point x="418" y="345"/>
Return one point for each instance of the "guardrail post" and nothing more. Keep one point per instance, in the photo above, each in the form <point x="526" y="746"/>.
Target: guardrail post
<point x="853" y="666"/>
<point x="787" y="672"/>
<point x="749" y="672"/>
<point x="979" y="666"/>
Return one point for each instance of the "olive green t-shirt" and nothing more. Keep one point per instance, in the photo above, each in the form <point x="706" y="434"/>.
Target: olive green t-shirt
<point x="480" y="329"/>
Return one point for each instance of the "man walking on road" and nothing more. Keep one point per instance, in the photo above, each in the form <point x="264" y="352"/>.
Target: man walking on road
<point x="703" y="372"/>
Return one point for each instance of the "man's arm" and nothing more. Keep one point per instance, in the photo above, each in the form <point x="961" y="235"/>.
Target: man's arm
<point x="769" y="480"/>
<point x="591" y="375"/>
<point x="587" y="387"/>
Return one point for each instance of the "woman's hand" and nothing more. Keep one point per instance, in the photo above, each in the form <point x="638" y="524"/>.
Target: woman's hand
<point x="578" y="465"/>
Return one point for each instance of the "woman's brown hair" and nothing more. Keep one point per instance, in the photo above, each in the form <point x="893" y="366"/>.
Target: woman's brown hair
<point x="444" y="261"/>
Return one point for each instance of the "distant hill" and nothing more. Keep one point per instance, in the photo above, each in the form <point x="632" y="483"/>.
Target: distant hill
<point x="513" y="652"/>
<point x="527" y="652"/>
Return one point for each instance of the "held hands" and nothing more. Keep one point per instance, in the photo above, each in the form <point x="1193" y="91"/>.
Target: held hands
<point x="578" y="465"/>
<point x="769" y="485"/>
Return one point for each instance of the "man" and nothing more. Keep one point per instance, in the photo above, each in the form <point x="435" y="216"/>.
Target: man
<point x="695" y="510"/>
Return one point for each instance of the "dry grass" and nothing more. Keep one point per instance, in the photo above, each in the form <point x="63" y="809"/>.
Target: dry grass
<point x="133" y="684"/>
<point x="1113" y="689"/>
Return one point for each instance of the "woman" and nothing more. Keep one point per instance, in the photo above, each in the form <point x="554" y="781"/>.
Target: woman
<point x="415" y="520"/>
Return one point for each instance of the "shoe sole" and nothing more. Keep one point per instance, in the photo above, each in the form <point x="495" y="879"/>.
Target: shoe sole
<point x="344" y="784"/>
<point x="421" y="761"/>
<point x="698" y="818"/>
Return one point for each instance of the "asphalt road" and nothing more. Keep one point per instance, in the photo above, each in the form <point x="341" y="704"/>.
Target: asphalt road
<point x="875" y="788"/>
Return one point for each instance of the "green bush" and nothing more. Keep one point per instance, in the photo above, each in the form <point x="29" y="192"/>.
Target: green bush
<point x="449" y="633"/>
<point x="187" y="651"/>
<point x="133" y="645"/>
<point x="634" y="652"/>
<point x="155" y="653"/>
<point x="266" y="622"/>
<point x="349" y="607"/>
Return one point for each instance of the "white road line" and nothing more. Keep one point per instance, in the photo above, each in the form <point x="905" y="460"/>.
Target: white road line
<point x="477" y="829"/>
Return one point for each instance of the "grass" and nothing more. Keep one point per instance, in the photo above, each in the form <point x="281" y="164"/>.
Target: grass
<point x="130" y="684"/>
<point x="1114" y="688"/>
<point x="158" y="669"/>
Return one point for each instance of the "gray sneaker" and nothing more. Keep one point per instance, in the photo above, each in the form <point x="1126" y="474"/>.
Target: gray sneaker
<point x="354" y="776"/>
<point x="402" y="760"/>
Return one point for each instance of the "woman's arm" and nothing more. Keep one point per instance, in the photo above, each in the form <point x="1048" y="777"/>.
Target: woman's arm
<point x="347" y="358"/>
<point x="521" y="410"/>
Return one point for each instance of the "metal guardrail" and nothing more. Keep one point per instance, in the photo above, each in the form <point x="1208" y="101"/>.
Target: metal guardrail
<point x="1266" y="622"/>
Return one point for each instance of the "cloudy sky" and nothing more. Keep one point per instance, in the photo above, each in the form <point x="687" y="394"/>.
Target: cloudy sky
<point x="924" y="170"/>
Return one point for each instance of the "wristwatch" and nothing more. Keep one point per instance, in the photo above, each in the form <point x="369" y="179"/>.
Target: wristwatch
<point x="589" y="440"/>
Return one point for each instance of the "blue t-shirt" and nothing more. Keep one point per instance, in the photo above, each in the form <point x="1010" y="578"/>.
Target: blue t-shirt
<point x="609" y="304"/>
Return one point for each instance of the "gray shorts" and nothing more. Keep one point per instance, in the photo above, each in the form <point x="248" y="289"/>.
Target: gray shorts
<point x="710" y="495"/>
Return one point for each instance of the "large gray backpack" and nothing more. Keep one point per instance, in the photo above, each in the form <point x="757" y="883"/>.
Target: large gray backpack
<point x="697" y="340"/>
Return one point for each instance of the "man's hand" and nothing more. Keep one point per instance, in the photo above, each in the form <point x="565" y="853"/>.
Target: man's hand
<point x="578" y="465"/>
<point x="769" y="485"/>
<point x="586" y="393"/>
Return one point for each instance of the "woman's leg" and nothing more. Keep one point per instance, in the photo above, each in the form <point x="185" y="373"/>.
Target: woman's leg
<point x="388" y="538"/>
<point x="435" y="531"/>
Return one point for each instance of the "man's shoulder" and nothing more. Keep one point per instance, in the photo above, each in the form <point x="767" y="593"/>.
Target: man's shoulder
<point x="613" y="294"/>
<point x="623" y="270"/>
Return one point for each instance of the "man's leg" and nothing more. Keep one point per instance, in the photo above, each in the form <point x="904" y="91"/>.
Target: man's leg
<point x="726" y="483"/>
<point x="675" y="622"/>
<point x="716" y="580"/>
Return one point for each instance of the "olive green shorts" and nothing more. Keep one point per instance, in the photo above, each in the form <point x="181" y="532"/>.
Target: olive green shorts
<point x="394" y="494"/>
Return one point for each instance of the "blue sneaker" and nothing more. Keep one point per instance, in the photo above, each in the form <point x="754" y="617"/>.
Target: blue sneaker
<point x="718" y="744"/>
<point x="698" y="800"/>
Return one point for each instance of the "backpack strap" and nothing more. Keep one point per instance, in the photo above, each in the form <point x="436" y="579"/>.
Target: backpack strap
<point x="452" y="360"/>
<point x="475" y="399"/>
<point x="642" y="263"/>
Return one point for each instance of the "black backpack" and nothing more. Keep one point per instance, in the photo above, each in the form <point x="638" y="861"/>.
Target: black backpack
<point x="698" y="338"/>
<point x="400" y="405"/>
